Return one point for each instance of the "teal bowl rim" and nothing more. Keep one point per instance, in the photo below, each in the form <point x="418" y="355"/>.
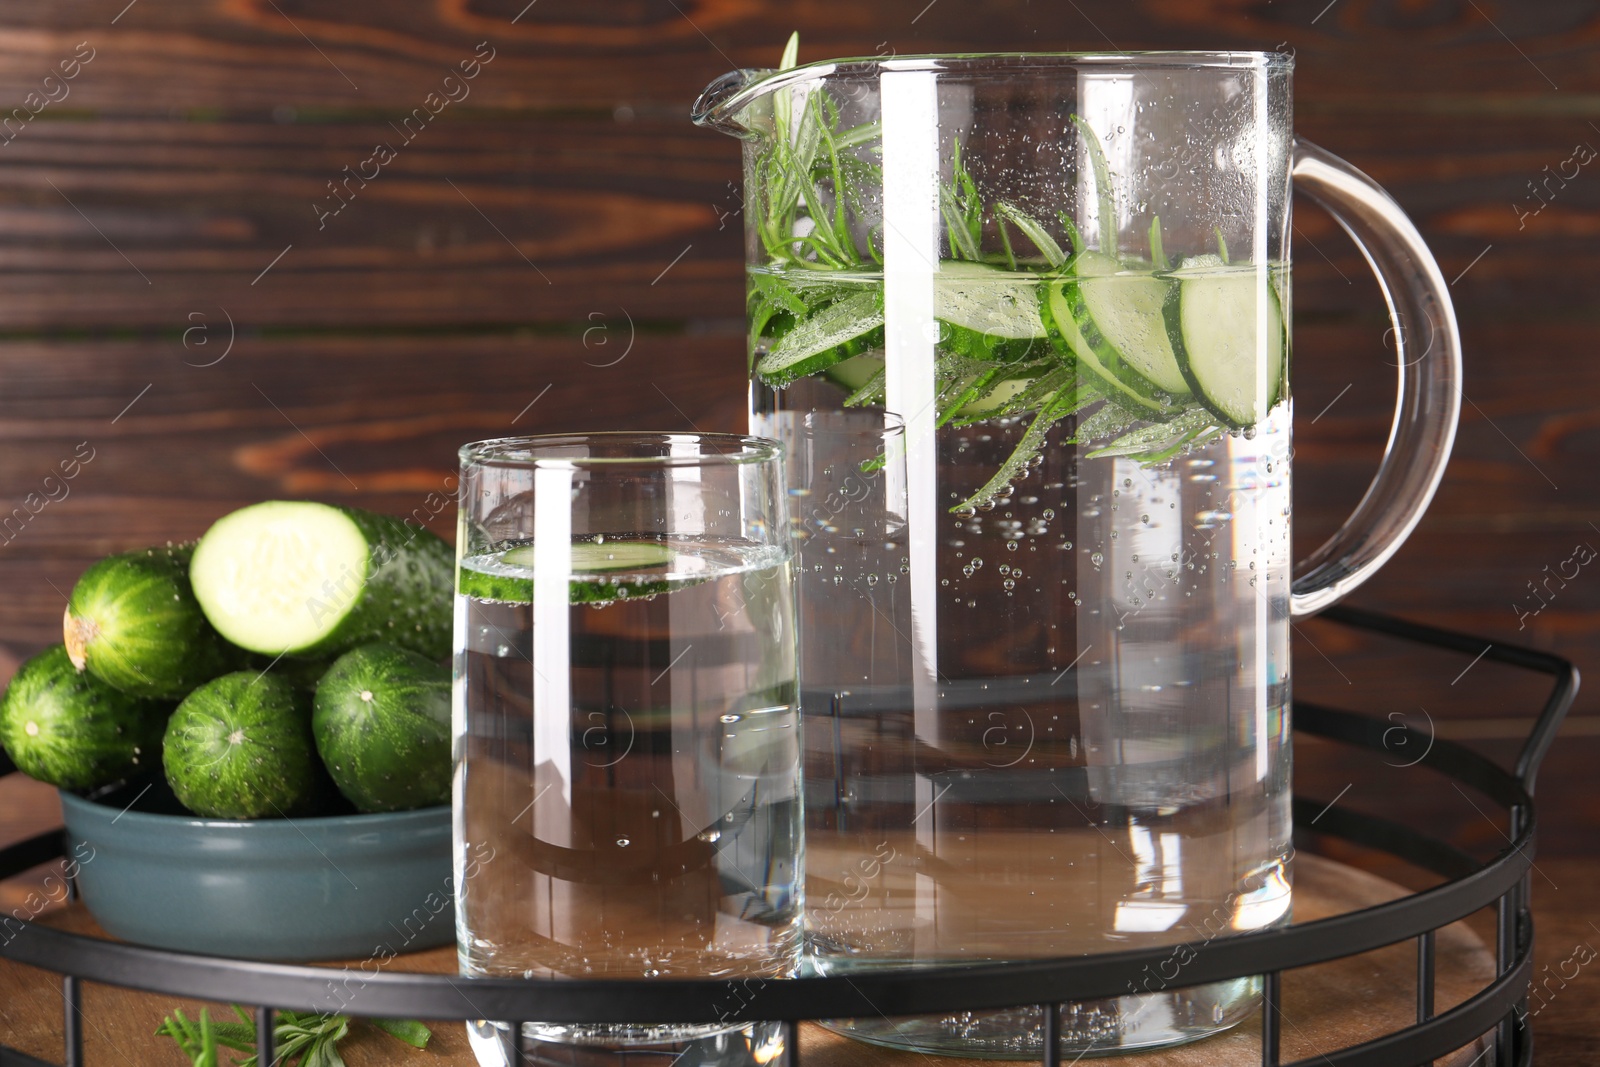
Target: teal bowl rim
<point x="154" y="821"/>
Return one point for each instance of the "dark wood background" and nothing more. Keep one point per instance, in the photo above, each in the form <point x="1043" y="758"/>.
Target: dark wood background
<point x="558" y="252"/>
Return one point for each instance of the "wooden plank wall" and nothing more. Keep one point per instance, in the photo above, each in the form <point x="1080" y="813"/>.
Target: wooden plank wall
<point x="183" y="311"/>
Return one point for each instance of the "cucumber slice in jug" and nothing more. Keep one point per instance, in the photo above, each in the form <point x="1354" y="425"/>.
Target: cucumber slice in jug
<point x="855" y="372"/>
<point x="987" y="300"/>
<point x="305" y="579"/>
<point x="1121" y="315"/>
<point x="827" y="336"/>
<point x="1123" y="384"/>
<point x="1232" y="343"/>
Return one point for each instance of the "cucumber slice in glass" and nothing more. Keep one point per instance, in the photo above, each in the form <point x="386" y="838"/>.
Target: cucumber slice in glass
<point x="602" y="557"/>
<point x="602" y="571"/>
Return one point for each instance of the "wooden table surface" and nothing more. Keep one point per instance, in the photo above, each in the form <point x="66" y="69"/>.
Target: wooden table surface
<point x="561" y="250"/>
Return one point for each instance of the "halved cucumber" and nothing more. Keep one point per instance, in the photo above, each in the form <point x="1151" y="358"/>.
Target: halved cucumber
<point x="1232" y="344"/>
<point x="1121" y="315"/>
<point x="297" y="578"/>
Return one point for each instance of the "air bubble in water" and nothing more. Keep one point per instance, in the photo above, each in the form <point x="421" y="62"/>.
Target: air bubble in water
<point x="1097" y="558"/>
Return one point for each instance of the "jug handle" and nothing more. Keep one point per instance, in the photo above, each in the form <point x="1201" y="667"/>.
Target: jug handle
<point x="1427" y="345"/>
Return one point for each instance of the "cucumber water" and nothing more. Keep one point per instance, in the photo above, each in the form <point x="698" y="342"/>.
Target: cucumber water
<point x="633" y="759"/>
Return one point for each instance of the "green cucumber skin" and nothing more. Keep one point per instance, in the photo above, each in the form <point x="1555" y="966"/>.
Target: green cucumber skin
<point x="382" y="727"/>
<point x="406" y="599"/>
<point x="85" y="733"/>
<point x="240" y="747"/>
<point x="135" y="624"/>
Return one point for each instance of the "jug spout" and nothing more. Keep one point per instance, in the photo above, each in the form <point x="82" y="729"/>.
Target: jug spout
<point x="717" y="107"/>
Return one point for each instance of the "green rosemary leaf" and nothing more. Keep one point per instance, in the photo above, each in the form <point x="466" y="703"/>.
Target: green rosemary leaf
<point x="410" y="1031"/>
<point x="1109" y="420"/>
<point x="1034" y="232"/>
<point x="1158" y="255"/>
<point x="1157" y="436"/>
<point x="1102" y="186"/>
<point x="1070" y="399"/>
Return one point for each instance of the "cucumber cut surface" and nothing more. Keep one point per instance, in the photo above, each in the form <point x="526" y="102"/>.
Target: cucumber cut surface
<point x="601" y="557"/>
<point x="300" y="578"/>
<point x="1126" y="312"/>
<point x="855" y="372"/>
<point x="1232" y="339"/>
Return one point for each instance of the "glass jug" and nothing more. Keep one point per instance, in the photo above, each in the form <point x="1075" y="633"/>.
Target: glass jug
<point x="1045" y="627"/>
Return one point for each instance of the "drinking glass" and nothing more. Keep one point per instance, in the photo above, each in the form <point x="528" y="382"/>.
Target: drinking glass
<point x="627" y="741"/>
<point x="1068" y="276"/>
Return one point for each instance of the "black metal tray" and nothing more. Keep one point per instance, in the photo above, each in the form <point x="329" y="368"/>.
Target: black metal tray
<point x="1470" y="885"/>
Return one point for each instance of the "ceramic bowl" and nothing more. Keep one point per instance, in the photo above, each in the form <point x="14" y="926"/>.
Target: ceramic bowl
<point x="332" y="887"/>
